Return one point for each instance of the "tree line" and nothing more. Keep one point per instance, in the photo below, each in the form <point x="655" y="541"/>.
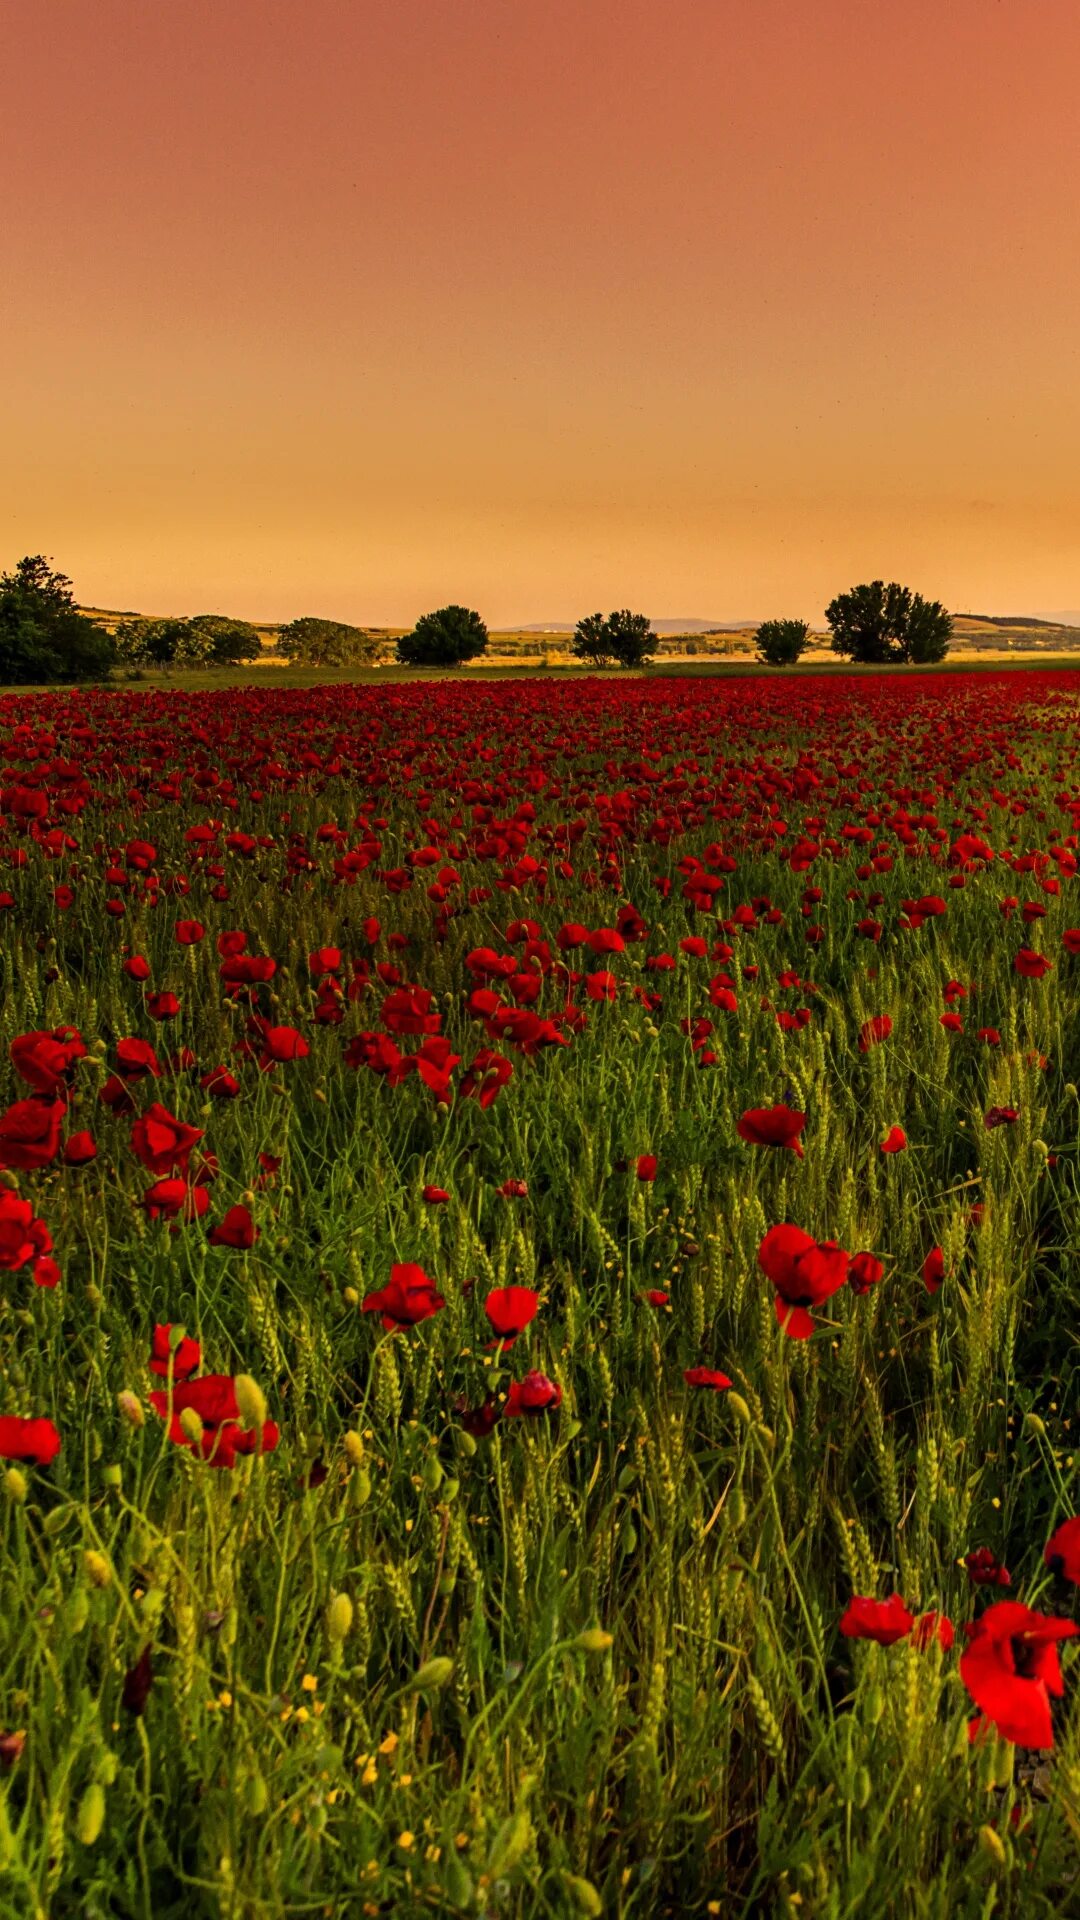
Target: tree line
<point x="45" y="637"/>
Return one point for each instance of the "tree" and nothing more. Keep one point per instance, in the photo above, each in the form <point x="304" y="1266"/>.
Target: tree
<point x="881" y="625"/>
<point x="43" y="636"/>
<point x="311" y="642"/>
<point x="631" y="638"/>
<point x="443" y="639"/>
<point x="231" y="641"/>
<point x="624" y="636"/>
<point x="780" y="642"/>
<point x="168" y="642"/>
<point x="591" y="641"/>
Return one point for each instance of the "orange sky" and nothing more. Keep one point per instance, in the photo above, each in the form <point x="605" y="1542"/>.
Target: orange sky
<point x="707" y="307"/>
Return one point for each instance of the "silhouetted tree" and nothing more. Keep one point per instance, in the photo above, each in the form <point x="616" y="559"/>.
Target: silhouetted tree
<point x="443" y="639"/>
<point x="231" y="641"/>
<point x="879" y="625"/>
<point x="624" y="636"/>
<point x="43" y="636"/>
<point x="780" y="642"/>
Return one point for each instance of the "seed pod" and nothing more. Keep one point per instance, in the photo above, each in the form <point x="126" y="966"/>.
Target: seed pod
<point x="360" y="1487"/>
<point x="77" y="1610"/>
<point x="431" y="1472"/>
<point x="433" y="1675"/>
<point x="191" y="1426"/>
<point x="862" y="1788"/>
<point x="339" y="1618"/>
<point x="15" y="1485"/>
<point x="873" y="1705"/>
<point x="354" y="1449"/>
<point x="992" y="1846"/>
<point x="112" y="1476"/>
<point x="106" y="1767"/>
<point x="450" y="1487"/>
<point x="91" y="1815"/>
<point x="130" y="1407"/>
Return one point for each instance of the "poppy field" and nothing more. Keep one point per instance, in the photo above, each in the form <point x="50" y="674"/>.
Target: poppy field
<point x="538" y="1330"/>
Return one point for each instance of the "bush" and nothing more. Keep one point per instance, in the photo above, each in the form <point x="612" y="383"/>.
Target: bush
<point x="443" y="639"/>
<point x="43" y="636"/>
<point x="311" y="642"/>
<point x="624" y="637"/>
<point x="780" y="642"/>
<point x="879" y="625"/>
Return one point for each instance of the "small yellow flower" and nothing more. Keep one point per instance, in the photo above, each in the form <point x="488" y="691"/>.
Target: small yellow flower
<point x="389" y="1744"/>
<point x="405" y="1840"/>
<point x="225" y="1698"/>
<point x="369" y="1775"/>
<point x="405" y="1780"/>
<point x="309" y="1683"/>
<point x="302" y="1714"/>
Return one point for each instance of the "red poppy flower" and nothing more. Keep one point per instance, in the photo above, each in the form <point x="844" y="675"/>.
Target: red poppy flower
<point x="30" y="1133"/>
<point x="989" y="1036"/>
<point x="705" y="1376"/>
<point x="534" y="1395"/>
<point x="873" y="1031"/>
<point x="236" y="1229"/>
<point x="280" y="1044"/>
<point x="1011" y="1666"/>
<point x="79" y="1149"/>
<point x="137" y="968"/>
<point x="1071" y="939"/>
<point x="186" y="1357"/>
<point x="46" y="1061"/>
<point x="1062" y="1554"/>
<point x="804" y="1273"/>
<point x="136" y="1059"/>
<point x="510" y="1310"/>
<point x="895" y="1141"/>
<point x="885" y="1621"/>
<point x="34" y="1442"/>
<point x="479" y="1421"/>
<point x="486" y="1077"/>
<point x="655" y="1297"/>
<point x="324" y="960"/>
<point x="933" y="1270"/>
<point x="175" y="1199"/>
<point x="930" y="1627"/>
<point x="189" y="932"/>
<point x="220" y="1084"/>
<point x="1000" y="1117"/>
<point x="436" y="1196"/>
<point x="645" y="1167"/>
<point x="161" y="1141"/>
<point x="1031" y="965"/>
<point x="985" y="1569"/>
<point x="162" y="1006"/>
<point x="772" y="1127"/>
<point x="864" y="1271"/>
<point x="24" y="1238"/>
<point x="213" y="1399"/>
<point x="408" y="1297"/>
<point x="513" y="1189"/>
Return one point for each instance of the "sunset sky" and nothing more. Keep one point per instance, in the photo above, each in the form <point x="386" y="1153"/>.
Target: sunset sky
<point x="705" y="307"/>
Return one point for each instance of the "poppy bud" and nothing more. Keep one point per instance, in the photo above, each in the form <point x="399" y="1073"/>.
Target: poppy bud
<point x="91" y="1815"/>
<point x="1035" y="1425"/>
<point x="106" y="1768"/>
<point x="594" y="1640"/>
<point x="450" y="1487"/>
<point x="351" y="1297"/>
<point x="432" y="1473"/>
<point x="354" y="1448"/>
<point x="256" y="1795"/>
<point x="873" y="1706"/>
<point x="360" y="1487"/>
<point x="112" y="1476"/>
<point x="95" y="1297"/>
<point x="192" y="1426"/>
<point x="992" y="1846"/>
<point x="97" y="1568"/>
<point x="737" y="1506"/>
<point x="130" y="1407"/>
<point x="250" y="1401"/>
<point x="77" y="1610"/>
<point x="434" y="1674"/>
<point x="583" y="1894"/>
<point x="15" y="1485"/>
<point x="739" y="1407"/>
<point x="466" y="1444"/>
<point x="339" y="1618"/>
<point x="862" y="1788"/>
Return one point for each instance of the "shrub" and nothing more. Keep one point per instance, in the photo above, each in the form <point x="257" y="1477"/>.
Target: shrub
<point x="312" y="642"/>
<point x="624" y="637"/>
